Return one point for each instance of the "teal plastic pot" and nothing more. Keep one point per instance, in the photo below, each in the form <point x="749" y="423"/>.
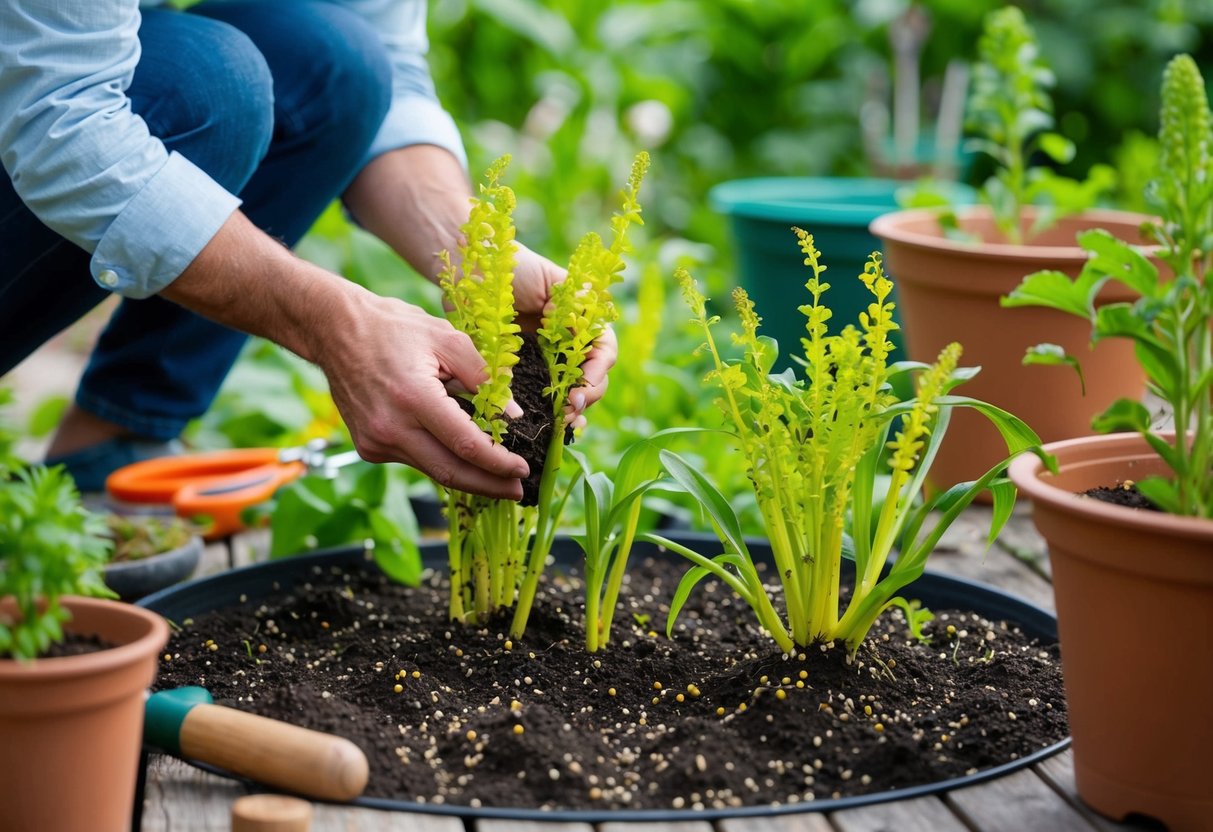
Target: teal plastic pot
<point x="837" y="212"/>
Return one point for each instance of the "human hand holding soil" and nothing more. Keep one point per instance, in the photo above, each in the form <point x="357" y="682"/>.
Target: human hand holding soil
<point x="534" y="277"/>
<point x="389" y="372"/>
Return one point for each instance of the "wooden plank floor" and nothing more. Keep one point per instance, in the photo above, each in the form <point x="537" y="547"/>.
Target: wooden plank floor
<point x="179" y="798"/>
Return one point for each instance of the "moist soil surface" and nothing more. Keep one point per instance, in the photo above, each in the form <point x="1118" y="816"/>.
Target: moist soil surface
<point x="1122" y="494"/>
<point x="713" y="718"/>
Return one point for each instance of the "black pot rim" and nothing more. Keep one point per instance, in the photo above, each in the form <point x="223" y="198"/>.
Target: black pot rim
<point x="979" y="597"/>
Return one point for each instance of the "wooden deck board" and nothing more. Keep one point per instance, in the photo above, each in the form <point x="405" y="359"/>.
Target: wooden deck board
<point x="922" y="814"/>
<point x="1058" y="772"/>
<point x="498" y="825"/>
<point x="805" y="822"/>
<point x="1014" y="803"/>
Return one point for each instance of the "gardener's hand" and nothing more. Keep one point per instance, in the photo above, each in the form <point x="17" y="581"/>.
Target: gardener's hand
<point x="386" y="361"/>
<point x="388" y="368"/>
<point x="534" y="277"/>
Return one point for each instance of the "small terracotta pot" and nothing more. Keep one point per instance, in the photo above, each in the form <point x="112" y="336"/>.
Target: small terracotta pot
<point x="1134" y="594"/>
<point x="949" y="290"/>
<point x="72" y="727"/>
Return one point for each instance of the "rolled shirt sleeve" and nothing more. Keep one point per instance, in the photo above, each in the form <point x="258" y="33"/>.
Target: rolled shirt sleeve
<point x="415" y="115"/>
<point x="82" y="161"/>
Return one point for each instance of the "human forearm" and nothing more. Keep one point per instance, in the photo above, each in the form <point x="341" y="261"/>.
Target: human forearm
<point x="246" y="280"/>
<point x="387" y="362"/>
<point x="415" y="199"/>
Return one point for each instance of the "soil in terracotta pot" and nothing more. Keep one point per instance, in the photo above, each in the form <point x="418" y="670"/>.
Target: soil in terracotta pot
<point x="530" y="434"/>
<point x="1121" y="494"/>
<point x="715" y="717"/>
<point x="76" y="644"/>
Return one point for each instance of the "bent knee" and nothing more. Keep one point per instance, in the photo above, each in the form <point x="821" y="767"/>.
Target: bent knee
<point x="205" y="89"/>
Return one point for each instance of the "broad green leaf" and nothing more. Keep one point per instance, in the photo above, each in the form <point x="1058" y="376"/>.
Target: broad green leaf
<point x="47" y="415"/>
<point x="1003" y="492"/>
<point x="1052" y="355"/>
<point x="1057" y="147"/>
<point x="1057" y="290"/>
<point x="299" y="512"/>
<point x="1016" y="433"/>
<point x="1160" y="492"/>
<point x="640" y="461"/>
<point x="692" y="577"/>
<point x="1123" y="415"/>
<point x="1114" y="258"/>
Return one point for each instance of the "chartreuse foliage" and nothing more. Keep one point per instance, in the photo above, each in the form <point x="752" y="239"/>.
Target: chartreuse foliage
<point x="814" y="448"/>
<point x="1169" y="324"/>
<point x="497" y="548"/>
<point x="49" y="547"/>
<point x="1011" y="113"/>
<point x="581" y="310"/>
<point x="612" y="507"/>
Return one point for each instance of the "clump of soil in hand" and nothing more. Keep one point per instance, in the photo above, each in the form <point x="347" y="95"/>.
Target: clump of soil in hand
<point x="715" y="717"/>
<point x="1123" y="494"/>
<point x="529" y="435"/>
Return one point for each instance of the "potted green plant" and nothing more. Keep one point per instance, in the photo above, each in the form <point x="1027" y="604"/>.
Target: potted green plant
<point x="73" y="669"/>
<point x="149" y="553"/>
<point x="952" y="266"/>
<point x="1116" y="569"/>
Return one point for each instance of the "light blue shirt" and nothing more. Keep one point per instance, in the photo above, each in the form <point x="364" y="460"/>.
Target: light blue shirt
<point x="87" y="166"/>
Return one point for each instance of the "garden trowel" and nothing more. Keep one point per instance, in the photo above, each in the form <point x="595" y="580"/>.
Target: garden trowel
<point x="186" y="723"/>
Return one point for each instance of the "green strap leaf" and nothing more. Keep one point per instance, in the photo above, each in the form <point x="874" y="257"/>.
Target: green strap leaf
<point x="692" y="577"/>
<point x="707" y="495"/>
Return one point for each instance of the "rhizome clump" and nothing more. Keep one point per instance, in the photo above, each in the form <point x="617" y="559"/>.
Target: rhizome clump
<point x="715" y="717"/>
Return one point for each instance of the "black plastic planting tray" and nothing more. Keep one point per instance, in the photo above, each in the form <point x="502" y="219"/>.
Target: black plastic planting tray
<point x="265" y="580"/>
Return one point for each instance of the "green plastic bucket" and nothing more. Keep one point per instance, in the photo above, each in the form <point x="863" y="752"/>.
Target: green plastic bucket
<point x="837" y="212"/>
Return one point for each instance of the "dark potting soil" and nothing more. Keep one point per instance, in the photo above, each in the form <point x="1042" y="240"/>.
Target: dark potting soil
<point x="77" y="644"/>
<point x="1122" y="494"/>
<point x="715" y="717"/>
<point x="529" y="434"/>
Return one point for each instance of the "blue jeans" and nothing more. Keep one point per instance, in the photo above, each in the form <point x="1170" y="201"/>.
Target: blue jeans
<point x="279" y="105"/>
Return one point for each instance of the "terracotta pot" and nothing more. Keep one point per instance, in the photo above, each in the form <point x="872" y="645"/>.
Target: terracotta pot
<point x="1134" y="596"/>
<point x="949" y="291"/>
<point x="72" y="727"/>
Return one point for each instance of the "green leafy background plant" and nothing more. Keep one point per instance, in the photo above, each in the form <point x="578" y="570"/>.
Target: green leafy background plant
<point x="50" y="546"/>
<point x="1171" y="321"/>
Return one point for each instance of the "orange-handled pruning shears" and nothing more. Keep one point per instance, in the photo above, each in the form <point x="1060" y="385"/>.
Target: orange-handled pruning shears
<point x="220" y="485"/>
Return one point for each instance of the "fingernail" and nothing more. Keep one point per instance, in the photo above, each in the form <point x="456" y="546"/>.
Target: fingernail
<point x="522" y="472"/>
<point x="577" y="399"/>
<point x="513" y="410"/>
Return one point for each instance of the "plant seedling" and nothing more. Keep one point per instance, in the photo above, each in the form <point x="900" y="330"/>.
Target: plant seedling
<point x="497" y="548"/>
<point x="814" y="448"/>
<point x="50" y="546"/>
<point x="1011" y="114"/>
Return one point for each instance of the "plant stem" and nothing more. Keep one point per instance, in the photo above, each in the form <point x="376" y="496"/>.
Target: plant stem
<point x="619" y="566"/>
<point x="543" y="539"/>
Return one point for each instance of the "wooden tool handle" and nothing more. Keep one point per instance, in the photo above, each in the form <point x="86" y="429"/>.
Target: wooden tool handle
<point x="274" y="753"/>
